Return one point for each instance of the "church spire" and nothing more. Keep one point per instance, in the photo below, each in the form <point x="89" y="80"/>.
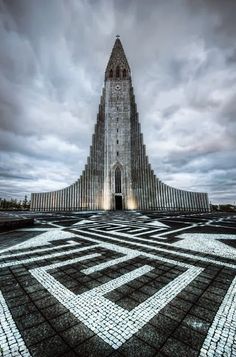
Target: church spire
<point x="118" y="66"/>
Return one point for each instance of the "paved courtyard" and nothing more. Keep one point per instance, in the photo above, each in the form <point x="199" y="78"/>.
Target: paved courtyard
<point x="119" y="284"/>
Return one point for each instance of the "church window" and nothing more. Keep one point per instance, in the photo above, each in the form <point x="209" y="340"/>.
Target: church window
<point x="111" y="74"/>
<point x="117" y="141"/>
<point x="117" y="154"/>
<point x="118" y="72"/>
<point x="117" y="180"/>
<point x="124" y="73"/>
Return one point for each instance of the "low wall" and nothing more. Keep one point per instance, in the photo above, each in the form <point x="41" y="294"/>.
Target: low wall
<point x="8" y="225"/>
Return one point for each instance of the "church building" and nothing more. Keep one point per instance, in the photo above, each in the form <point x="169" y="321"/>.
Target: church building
<point x="118" y="175"/>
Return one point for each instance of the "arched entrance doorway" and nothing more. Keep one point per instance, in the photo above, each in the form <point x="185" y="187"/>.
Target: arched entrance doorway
<point x="118" y="202"/>
<point x="118" y="194"/>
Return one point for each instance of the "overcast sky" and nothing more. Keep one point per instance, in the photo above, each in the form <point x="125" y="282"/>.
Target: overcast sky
<point x="53" y="55"/>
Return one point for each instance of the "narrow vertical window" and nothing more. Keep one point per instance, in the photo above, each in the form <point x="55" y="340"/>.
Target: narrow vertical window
<point x="118" y="72"/>
<point x="111" y="74"/>
<point x="117" y="180"/>
<point x="124" y="73"/>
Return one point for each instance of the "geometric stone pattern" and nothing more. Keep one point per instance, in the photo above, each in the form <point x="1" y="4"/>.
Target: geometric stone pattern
<point x="118" y="174"/>
<point x="207" y="243"/>
<point x="11" y="342"/>
<point x="126" y="290"/>
<point x="221" y="338"/>
<point x="109" y="321"/>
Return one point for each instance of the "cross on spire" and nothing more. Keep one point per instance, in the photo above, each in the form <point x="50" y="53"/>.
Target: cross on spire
<point x="117" y="36"/>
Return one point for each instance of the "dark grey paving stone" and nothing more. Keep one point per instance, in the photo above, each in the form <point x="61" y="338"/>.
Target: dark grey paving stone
<point x="114" y="296"/>
<point x="135" y="284"/>
<point x="94" y="347"/>
<point x="70" y="353"/>
<point x="135" y="347"/>
<point x="181" y="304"/>
<point x="164" y="323"/>
<point x="14" y="294"/>
<point x="196" y="324"/>
<point x="127" y="303"/>
<point x="116" y="354"/>
<point x="17" y="301"/>
<point x="45" y="302"/>
<point x="125" y="289"/>
<point x="50" y="347"/>
<point x="30" y="320"/>
<point x="187" y="296"/>
<point x="173" y="313"/>
<point x="152" y="336"/>
<point x="202" y="313"/>
<point x="76" y="334"/>
<point x="149" y="290"/>
<point x="189" y="337"/>
<point x="206" y="303"/>
<point x="33" y="288"/>
<point x="175" y="348"/>
<point x="37" y="333"/>
<point x="63" y="322"/>
<point x="25" y="309"/>
<point x="139" y="296"/>
<point x="53" y="311"/>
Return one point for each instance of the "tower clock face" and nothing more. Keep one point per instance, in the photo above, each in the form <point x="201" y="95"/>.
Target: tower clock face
<point x="117" y="87"/>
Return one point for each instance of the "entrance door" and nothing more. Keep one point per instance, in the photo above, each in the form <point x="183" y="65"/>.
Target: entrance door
<point x="118" y="202"/>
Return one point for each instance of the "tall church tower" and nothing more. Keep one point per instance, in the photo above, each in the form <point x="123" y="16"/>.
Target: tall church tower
<point x="118" y="174"/>
<point x="117" y="151"/>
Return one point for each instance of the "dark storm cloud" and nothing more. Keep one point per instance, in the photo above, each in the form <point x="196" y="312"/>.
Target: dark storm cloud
<point x="52" y="60"/>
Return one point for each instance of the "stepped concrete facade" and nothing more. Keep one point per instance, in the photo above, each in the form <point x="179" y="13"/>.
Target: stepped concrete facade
<point x="118" y="174"/>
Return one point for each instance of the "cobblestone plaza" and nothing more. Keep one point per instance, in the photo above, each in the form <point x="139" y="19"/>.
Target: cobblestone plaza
<point x="119" y="284"/>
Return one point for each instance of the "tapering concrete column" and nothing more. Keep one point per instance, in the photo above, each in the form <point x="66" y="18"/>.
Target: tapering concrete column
<point x="59" y="200"/>
<point x="39" y="201"/>
<point x="173" y="198"/>
<point x="79" y="195"/>
<point x="43" y="201"/>
<point x="73" y="197"/>
<point x="182" y="200"/>
<point x="176" y="199"/>
<point x="158" y="193"/>
<point x="36" y="201"/>
<point x="165" y="196"/>
<point x="56" y="201"/>
<point x="188" y="201"/>
<point x="41" y="206"/>
<point x="32" y="202"/>
<point x="195" y="201"/>
<point x="185" y="200"/>
<point x="48" y="201"/>
<point x="201" y="202"/>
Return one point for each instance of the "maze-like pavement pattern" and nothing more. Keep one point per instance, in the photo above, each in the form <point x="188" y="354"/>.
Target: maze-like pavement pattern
<point x="119" y="284"/>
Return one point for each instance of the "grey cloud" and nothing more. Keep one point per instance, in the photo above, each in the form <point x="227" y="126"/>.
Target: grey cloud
<point x="52" y="60"/>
